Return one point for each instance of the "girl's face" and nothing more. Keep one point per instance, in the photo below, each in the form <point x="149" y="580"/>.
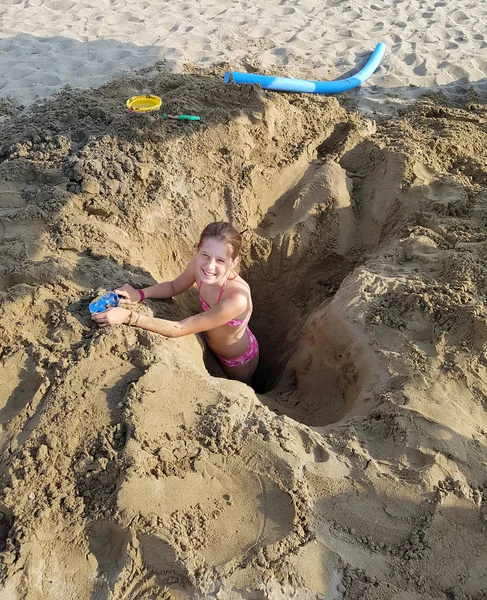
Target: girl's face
<point x="214" y="261"/>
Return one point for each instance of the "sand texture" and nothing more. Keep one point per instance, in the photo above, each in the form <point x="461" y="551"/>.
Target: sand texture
<point x="131" y="469"/>
<point x="48" y="44"/>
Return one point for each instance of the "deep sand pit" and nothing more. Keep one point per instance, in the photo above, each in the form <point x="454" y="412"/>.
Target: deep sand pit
<point x="131" y="469"/>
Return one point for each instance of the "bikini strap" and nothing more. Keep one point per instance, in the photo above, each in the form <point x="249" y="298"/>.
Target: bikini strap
<point x="222" y="289"/>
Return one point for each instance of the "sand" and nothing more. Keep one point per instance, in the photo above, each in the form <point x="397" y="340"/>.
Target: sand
<point x="48" y="44"/>
<point x="130" y="467"/>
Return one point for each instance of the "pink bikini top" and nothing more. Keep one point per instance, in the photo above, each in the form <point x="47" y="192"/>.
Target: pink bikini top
<point x="205" y="307"/>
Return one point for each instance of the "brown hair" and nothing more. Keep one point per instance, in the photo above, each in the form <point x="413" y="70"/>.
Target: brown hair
<point x="223" y="232"/>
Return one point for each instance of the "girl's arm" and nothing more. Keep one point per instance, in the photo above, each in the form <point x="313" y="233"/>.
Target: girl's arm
<point x="215" y="317"/>
<point x="166" y="289"/>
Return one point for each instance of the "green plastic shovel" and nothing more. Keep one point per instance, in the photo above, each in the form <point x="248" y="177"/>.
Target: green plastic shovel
<point x="180" y="117"/>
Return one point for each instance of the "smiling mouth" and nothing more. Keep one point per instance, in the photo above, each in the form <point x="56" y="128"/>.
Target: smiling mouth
<point x="208" y="274"/>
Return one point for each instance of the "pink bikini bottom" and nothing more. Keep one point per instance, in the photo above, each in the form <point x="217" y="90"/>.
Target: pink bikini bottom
<point x="251" y="352"/>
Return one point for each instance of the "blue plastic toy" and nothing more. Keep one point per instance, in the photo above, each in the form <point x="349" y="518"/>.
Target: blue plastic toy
<point x="287" y="84"/>
<point x="101" y="304"/>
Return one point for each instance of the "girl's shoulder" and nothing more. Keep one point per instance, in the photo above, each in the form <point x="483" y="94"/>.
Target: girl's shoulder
<point x="238" y="285"/>
<point x="237" y="295"/>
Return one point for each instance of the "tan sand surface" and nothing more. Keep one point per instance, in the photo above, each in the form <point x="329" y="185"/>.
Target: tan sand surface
<point x="47" y="44"/>
<point x="130" y="467"/>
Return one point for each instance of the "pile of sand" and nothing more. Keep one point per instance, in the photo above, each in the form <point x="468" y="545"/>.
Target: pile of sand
<point x="130" y="468"/>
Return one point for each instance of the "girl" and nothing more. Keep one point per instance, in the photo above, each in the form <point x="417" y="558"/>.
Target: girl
<point x="224" y="296"/>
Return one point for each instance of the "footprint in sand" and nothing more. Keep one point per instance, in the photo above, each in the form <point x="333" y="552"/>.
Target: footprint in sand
<point x="310" y="446"/>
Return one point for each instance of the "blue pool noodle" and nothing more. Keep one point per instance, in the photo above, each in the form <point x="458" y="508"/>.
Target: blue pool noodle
<point x="285" y="84"/>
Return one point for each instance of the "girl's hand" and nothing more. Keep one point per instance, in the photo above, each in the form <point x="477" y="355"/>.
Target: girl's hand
<point x="129" y="294"/>
<point x="112" y="316"/>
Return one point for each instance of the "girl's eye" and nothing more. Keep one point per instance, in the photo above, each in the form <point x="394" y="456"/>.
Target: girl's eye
<point x="220" y="260"/>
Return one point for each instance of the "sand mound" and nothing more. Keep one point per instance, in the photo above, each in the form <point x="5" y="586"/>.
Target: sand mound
<point x="131" y="469"/>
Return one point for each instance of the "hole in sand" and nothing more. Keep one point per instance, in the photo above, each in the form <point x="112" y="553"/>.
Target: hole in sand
<point x="312" y="197"/>
<point x="309" y="352"/>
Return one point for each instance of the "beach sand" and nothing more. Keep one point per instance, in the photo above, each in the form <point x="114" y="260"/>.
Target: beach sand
<point x="130" y="467"/>
<point x="48" y="44"/>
